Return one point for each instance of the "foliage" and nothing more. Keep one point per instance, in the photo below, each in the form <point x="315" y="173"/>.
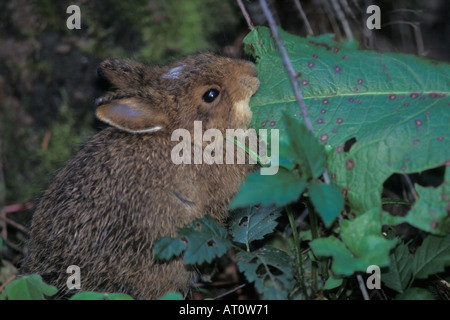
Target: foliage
<point x="374" y="114"/>
<point x="32" y="287"/>
<point x="27" y="288"/>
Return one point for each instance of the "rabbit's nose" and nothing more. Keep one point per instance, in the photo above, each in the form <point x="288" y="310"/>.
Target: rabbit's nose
<point x="250" y="83"/>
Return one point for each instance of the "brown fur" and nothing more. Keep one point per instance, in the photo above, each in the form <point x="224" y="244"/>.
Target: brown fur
<point x="104" y="210"/>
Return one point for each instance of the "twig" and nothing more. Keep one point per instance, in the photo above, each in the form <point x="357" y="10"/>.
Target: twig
<point x="344" y="21"/>
<point x="291" y="72"/>
<point x="412" y="191"/>
<point x="417" y="34"/>
<point x="6" y="282"/>
<point x="14" y="224"/>
<point x="362" y="287"/>
<point x="229" y="291"/>
<point x="303" y="15"/>
<point x="327" y="9"/>
<point x="246" y="15"/>
<point x="348" y="10"/>
<point x="287" y="63"/>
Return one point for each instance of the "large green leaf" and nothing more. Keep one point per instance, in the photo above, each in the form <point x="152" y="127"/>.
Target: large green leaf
<point x="362" y="245"/>
<point x="392" y="107"/>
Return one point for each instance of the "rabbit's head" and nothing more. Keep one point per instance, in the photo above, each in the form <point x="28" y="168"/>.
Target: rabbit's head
<point x="203" y="87"/>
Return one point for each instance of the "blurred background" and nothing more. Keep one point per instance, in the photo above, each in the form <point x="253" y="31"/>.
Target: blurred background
<point x="48" y="80"/>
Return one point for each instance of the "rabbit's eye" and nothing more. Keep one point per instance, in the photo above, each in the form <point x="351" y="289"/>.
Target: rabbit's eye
<point x="210" y="95"/>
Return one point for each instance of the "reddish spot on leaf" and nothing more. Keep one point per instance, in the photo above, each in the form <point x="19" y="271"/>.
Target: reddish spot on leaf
<point x="311" y="64"/>
<point x="337" y="69"/>
<point x="392" y="97"/>
<point x="323" y="111"/>
<point x="418" y="122"/>
<point x="360" y="81"/>
<point x="263" y="124"/>
<point x="440" y="138"/>
<point x="349" y="164"/>
<point x="272" y="123"/>
<point x="325" y="101"/>
<point x="305" y="82"/>
<point x="334" y="131"/>
<point x="358" y="101"/>
<point x="319" y="121"/>
<point x="351" y="100"/>
<point x="335" y="50"/>
<point x="339" y="120"/>
<point x="345" y="57"/>
<point x="416" y="142"/>
<point x="433" y="95"/>
<point x="433" y="224"/>
<point x="324" y="137"/>
<point x="345" y="192"/>
<point x="333" y="176"/>
<point x="339" y="149"/>
<point x="356" y="89"/>
<point x="414" y="95"/>
<point x="405" y="104"/>
<point x="315" y="56"/>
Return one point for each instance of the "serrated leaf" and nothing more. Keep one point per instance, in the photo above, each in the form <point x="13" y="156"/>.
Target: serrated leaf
<point x="270" y="269"/>
<point x="309" y="154"/>
<point x="205" y="239"/>
<point x="88" y="295"/>
<point x="432" y="256"/>
<point x="399" y="273"/>
<point x="362" y="245"/>
<point x="29" y="287"/>
<point x="395" y="106"/>
<point x="253" y="223"/>
<point x="167" y="248"/>
<point x="281" y="188"/>
<point x="327" y="200"/>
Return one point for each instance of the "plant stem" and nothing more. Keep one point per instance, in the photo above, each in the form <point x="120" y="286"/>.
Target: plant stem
<point x="315" y="234"/>
<point x="298" y="252"/>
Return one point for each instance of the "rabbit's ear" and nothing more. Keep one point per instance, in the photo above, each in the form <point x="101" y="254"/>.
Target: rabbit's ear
<point x="132" y="115"/>
<point x="123" y="73"/>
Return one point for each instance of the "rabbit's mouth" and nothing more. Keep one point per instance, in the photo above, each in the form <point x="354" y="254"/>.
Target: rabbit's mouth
<point x="241" y="114"/>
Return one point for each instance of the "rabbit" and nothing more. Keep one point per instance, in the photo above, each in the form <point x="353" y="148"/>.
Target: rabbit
<point x="103" y="211"/>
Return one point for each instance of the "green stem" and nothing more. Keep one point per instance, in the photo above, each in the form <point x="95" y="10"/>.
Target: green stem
<point x="298" y="252"/>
